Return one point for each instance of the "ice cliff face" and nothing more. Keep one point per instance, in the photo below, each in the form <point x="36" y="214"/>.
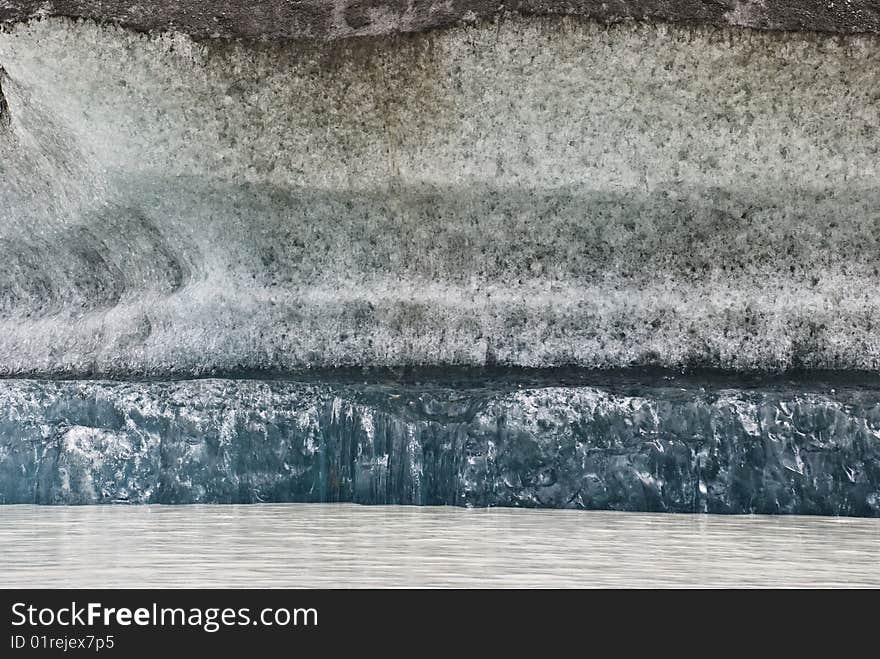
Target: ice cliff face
<point x="532" y="192"/>
<point x="676" y="446"/>
<point x="528" y="192"/>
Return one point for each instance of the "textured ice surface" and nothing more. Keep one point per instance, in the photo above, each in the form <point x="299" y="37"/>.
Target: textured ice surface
<point x="533" y="192"/>
<point x="668" y="446"/>
<point x="338" y="19"/>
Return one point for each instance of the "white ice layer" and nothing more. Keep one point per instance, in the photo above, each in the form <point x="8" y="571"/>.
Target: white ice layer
<point x="535" y="192"/>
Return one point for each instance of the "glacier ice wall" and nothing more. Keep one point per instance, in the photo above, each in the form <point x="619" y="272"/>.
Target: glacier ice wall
<point x="672" y="445"/>
<point x="525" y="193"/>
<point x="530" y="192"/>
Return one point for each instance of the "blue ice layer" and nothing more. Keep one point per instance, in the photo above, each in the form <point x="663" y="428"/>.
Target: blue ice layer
<point x="668" y="445"/>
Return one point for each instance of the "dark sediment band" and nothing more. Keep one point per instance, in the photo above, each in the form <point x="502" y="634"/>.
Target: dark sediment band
<point x="333" y="19"/>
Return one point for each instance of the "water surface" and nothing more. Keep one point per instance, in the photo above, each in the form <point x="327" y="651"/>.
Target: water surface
<point x="350" y="546"/>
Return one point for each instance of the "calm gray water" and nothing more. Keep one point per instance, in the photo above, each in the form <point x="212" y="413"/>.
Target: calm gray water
<point x="327" y="545"/>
